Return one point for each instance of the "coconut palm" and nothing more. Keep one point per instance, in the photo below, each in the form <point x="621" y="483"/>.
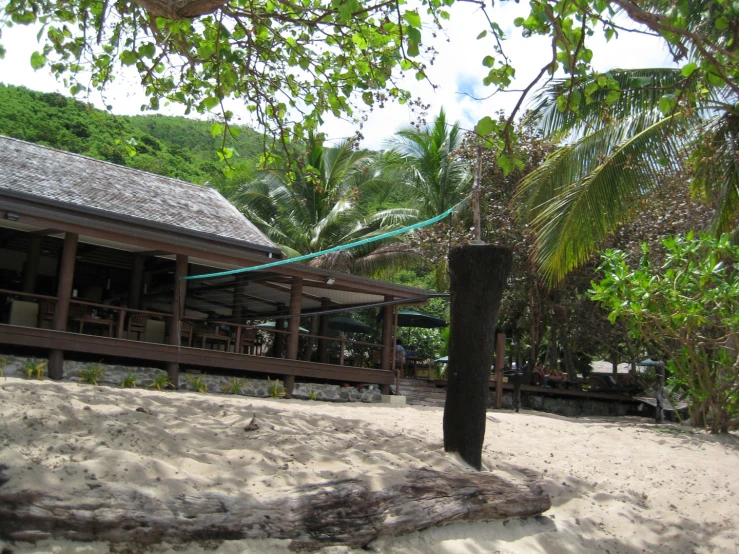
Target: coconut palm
<point x="424" y="163"/>
<point x="321" y="207"/>
<point x="427" y="164"/>
<point x="618" y="149"/>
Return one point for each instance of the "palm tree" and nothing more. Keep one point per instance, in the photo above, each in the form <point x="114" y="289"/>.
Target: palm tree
<point x="617" y="153"/>
<point x="426" y="160"/>
<point x="321" y="206"/>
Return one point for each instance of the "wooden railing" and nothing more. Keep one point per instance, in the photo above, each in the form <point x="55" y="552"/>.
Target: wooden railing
<point x="117" y="322"/>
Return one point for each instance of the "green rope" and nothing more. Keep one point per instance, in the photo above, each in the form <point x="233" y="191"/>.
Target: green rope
<point x="334" y="249"/>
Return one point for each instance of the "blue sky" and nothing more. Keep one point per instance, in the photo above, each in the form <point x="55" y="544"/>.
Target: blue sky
<point x="457" y="70"/>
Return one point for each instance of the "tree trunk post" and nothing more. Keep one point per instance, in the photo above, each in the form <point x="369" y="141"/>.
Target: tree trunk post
<point x="478" y="279"/>
<point x="499" y="364"/>
<point x="293" y="326"/>
<point x="64" y="293"/>
<point x="178" y="310"/>
<point x="30" y="275"/>
<point x="659" y="416"/>
<point x="387" y="341"/>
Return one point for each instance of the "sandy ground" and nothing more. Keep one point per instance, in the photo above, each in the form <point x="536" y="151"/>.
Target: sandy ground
<point x="617" y="485"/>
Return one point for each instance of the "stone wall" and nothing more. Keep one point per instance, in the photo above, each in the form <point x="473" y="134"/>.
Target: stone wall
<point x="570" y="407"/>
<point x="113" y="375"/>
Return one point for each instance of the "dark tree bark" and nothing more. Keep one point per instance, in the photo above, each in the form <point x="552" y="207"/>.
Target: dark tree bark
<point x="346" y="512"/>
<point x="478" y="278"/>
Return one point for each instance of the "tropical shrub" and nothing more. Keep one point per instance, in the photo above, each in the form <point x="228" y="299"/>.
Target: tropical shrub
<point x="688" y="307"/>
<point x="92" y="374"/>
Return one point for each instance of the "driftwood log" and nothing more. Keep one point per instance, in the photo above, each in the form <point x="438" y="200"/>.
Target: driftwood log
<point x="344" y="512"/>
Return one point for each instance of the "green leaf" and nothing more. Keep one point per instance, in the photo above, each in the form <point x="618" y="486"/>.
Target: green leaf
<point x="667" y="104"/>
<point x="488" y="61"/>
<point x="482" y="35"/>
<point x="485" y="126"/>
<point x="216" y="129"/>
<point x="688" y="69"/>
<point x="128" y="57"/>
<point x="210" y="102"/>
<point x="38" y="60"/>
<point x="360" y="41"/>
<point x="413" y="19"/>
<point x="722" y="23"/>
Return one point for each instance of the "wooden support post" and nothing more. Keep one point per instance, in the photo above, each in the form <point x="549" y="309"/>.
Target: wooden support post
<point x="478" y="279"/>
<point x="30" y="275"/>
<point x="293" y="326"/>
<point x="137" y="279"/>
<point x="499" y="364"/>
<point x="387" y="341"/>
<point x="395" y="350"/>
<point x="63" y="293"/>
<point x="323" y="331"/>
<point x="178" y="310"/>
<point x="238" y="312"/>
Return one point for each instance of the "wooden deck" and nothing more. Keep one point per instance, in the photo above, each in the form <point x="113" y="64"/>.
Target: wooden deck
<point x="187" y="356"/>
<point x="571" y="393"/>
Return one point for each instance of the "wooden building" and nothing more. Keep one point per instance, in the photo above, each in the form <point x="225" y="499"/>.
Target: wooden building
<point x="92" y="260"/>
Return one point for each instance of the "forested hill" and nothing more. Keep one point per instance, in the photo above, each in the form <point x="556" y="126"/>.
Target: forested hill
<point x="173" y="146"/>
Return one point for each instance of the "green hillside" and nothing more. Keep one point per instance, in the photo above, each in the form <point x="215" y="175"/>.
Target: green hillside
<point x="173" y="146"/>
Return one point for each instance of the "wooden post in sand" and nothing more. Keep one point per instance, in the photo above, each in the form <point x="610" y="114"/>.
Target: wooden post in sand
<point x="64" y="293"/>
<point x="478" y="278"/>
<point x="387" y="340"/>
<point x="178" y="310"/>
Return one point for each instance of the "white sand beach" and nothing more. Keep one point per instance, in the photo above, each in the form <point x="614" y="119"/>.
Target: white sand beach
<point x="617" y="485"/>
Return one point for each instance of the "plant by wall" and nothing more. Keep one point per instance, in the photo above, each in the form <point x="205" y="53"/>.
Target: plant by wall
<point x="688" y="306"/>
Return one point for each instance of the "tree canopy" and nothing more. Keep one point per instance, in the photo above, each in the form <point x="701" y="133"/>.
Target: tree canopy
<point x="293" y="62"/>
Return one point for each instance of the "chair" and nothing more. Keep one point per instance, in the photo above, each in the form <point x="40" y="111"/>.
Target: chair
<point x="186" y="330"/>
<point x="46" y="312"/>
<point x="248" y="341"/>
<point x="137" y="324"/>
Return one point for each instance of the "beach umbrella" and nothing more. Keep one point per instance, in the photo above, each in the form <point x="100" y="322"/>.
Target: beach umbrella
<point x="349" y="325"/>
<point x="411" y="318"/>
<point x="444" y="360"/>
<point x="648" y="363"/>
<point x="271" y="325"/>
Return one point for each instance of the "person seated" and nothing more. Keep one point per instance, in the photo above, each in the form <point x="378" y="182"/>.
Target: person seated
<point x="538" y="375"/>
<point x="399" y="354"/>
<point x="554" y="378"/>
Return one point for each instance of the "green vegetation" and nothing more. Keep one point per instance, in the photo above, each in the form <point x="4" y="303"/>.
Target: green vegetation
<point x="35" y="370"/>
<point x="197" y="383"/>
<point x="312" y="394"/>
<point x="173" y="146"/>
<point x="129" y="381"/>
<point x="688" y="308"/>
<point x="92" y="374"/>
<point x="161" y="382"/>
<point x="274" y="388"/>
<point x="3" y="365"/>
<point x="234" y="387"/>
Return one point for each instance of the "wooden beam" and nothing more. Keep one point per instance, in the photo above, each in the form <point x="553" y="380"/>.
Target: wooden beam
<point x="287" y="289"/>
<point x="178" y="309"/>
<point x="293" y="326"/>
<point x="30" y="275"/>
<point x="45" y="232"/>
<point x="387" y="338"/>
<point x="64" y="293"/>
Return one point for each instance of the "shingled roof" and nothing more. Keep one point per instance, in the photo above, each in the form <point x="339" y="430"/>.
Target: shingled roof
<point x="77" y="180"/>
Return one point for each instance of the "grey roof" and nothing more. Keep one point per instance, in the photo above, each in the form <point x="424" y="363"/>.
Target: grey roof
<point x="88" y="183"/>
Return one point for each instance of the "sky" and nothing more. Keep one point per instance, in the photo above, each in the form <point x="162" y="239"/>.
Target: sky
<point x="457" y="72"/>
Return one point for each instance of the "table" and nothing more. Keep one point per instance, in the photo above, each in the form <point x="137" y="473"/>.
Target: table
<point x="215" y="339"/>
<point x="99" y="321"/>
